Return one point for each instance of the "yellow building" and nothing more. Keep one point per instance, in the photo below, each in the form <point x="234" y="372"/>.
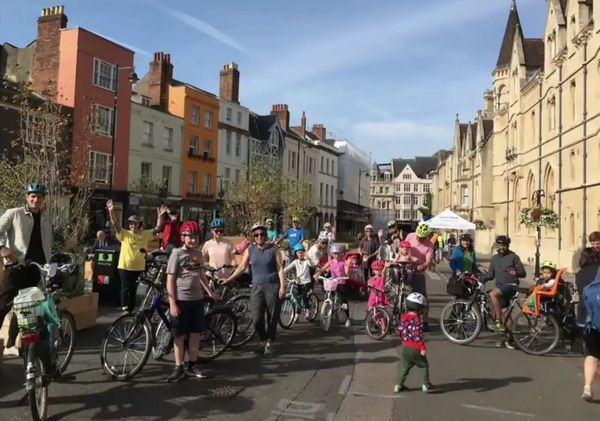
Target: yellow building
<point x="539" y="130"/>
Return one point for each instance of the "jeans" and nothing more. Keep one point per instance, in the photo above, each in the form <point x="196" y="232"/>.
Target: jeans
<point x="264" y="298"/>
<point x="129" y="287"/>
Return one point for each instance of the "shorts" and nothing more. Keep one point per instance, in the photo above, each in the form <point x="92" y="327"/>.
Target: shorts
<point x="190" y="319"/>
<point x="592" y="343"/>
<point x="418" y="283"/>
<point x="506" y="293"/>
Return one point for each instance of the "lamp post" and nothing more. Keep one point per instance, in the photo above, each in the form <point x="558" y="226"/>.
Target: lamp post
<point x="537" y="197"/>
<point x="133" y="78"/>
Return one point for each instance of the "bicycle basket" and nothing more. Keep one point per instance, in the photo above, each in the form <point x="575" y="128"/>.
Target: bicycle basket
<point x="458" y="288"/>
<point x="330" y="285"/>
<point x="28" y="315"/>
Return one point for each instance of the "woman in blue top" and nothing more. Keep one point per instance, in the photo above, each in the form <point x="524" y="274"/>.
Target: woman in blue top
<point x="463" y="257"/>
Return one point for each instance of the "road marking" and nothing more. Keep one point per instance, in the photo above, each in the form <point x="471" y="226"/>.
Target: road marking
<point x="295" y="410"/>
<point x="498" y="411"/>
<point x="357" y="357"/>
<point x="345" y="385"/>
<point x="374" y="395"/>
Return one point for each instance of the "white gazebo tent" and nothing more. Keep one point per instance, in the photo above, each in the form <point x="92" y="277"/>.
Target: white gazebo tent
<point x="448" y="220"/>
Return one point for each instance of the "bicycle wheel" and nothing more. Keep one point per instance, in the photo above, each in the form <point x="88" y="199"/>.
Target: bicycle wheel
<point x="245" y="323"/>
<point x="36" y="383"/>
<point x="326" y="311"/>
<point x="313" y="307"/>
<point x="535" y="335"/>
<point x="287" y="315"/>
<point x="64" y="341"/>
<point x="460" y="322"/>
<point x="126" y="347"/>
<point x="221" y="326"/>
<point x="163" y="341"/>
<point x="377" y="323"/>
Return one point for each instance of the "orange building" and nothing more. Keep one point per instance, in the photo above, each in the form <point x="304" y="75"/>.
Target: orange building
<point x="200" y="112"/>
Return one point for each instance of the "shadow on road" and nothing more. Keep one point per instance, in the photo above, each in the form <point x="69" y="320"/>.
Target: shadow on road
<point x="481" y="385"/>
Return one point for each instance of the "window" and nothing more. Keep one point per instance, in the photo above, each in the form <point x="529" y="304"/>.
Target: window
<point x="147" y="135"/>
<point x="146" y="172"/>
<point x="398" y="200"/>
<point x="464" y="193"/>
<point x="227" y="174"/>
<point x="102" y="120"/>
<point x="228" y="142"/>
<point x="195" y="115"/>
<point x="192" y="176"/>
<point x="332" y="167"/>
<point x="415" y="200"/>
<point x="99" y="163"/>
<point x="321" y="194"/>
<point x="407" y="187"/>
<point x="208" y="119"/>
<point x="331" y="193"/>
<point x="380" y="190"/>
<point x="326" y="194"/>
<point x="398" y="187"/>
<point x="228" y="117"/>
<point x="310" y="165"/>
<point x="168" y="139"/>
<point x="322" y="164"/>
<point x="387" y="176"/>
<point x="194" y="145"/>
<point x="327" y="166"/>
<point x="238" y="145"/>
<point x="208" y="148"/>
<point x="426" y="188"/>
<point x="293" y="166"/>
<point x="387" y="190"/>
<point x="573" y="99"/>
<point x="207" y="180"/>
<point x="406" y="214"/>
<point x="552" y="113"/>
<point x="105" y="74"/>
<point x="167" y="173"/>
<point x="415" y="188"/>
<point x="406" y="176"/>
<point x="406" y="200"/>
<point x="237" y="175"/>
<point x="239" y="118"/>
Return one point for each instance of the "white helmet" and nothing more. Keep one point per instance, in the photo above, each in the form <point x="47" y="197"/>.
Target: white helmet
<point x="324" y="238"/>
<point x="415" y="301"/>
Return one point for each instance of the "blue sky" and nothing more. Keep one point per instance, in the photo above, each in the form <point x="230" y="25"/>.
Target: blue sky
<point x="389" y="75"/>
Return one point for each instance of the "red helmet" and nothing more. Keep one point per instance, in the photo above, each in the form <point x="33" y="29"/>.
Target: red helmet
<point x="378" y="265"/>
<point x="405" y="244"/>
<point x="189" y="227"/>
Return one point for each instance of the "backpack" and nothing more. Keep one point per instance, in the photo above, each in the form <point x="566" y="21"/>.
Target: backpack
<point x="591" y="299"/>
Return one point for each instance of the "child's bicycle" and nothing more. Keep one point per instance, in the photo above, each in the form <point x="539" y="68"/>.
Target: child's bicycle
<point x="332" y="304"/>
<point x="377" y="321"/>
<point x="294" y="302"/>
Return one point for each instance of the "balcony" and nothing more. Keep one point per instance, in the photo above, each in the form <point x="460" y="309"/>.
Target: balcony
<point x="204" y="156"/>
<point x="511" y="154"/>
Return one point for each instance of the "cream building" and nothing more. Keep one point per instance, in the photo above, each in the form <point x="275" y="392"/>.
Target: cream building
<point x="545" y="107"/>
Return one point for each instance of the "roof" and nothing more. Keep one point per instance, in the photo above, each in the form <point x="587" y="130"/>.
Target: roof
<point x="474" y="136"/>
<point x="421" y="165"/>
<point x="260" y="125"/>
<point x="177" y="83"/>
<point x="534" y="52"/>
<point x="513" y="24"/>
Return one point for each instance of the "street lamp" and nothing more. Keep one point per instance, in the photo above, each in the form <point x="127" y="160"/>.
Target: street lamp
<point x="537" y="197"/>
<point x="132" y="78"/>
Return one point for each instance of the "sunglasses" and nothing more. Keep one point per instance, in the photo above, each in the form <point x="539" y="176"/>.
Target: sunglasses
<point x="260" y="234"/>
<point x="219" y="231"/>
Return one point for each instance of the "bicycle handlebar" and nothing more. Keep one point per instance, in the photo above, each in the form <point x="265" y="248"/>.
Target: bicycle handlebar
<point x="376" y="289"/>
<point x="339" y="278"/>
<point x="213" y="270"/>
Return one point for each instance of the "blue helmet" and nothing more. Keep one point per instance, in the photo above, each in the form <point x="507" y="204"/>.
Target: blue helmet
<point x="36" y="188"/>
<point x="217" y="223"/>
<point x="298" y="247"/>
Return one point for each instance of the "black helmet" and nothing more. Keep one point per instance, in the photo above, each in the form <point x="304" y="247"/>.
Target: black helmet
<point x="465" y="237"/>
<point x="503" y="239"/>
<point x="36" y="188"/>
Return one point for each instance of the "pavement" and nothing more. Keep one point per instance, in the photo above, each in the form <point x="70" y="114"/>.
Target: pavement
<point x="340" y="375"/>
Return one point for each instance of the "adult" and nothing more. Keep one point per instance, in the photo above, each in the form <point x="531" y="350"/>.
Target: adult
<point x="329" y="232"/>
<point x="394" y="236"/>
<point x="132" y="260"/>
<point x="219" y="251"/>
<point x="506" y="268"/>
<point x="463" y="257"/>
<point x="268" y="286"/>
<point x="294" y="235"/>
<point x="171" y="237"/>
<point x="368" y="248"/>
<point x="272" y="233"/>
<point x="589" y="268"/>
<point x="421" y="248"/>
<point x="103" y="241"/>
<point x="316" y="252"/>
<point x="450" y="244"/>
<point x="25" y="234"/>
<point x="439" y="252"/>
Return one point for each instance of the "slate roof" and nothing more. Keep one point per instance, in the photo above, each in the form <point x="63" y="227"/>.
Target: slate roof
<point x="512" y="25"/>
<point x="474" y="136"/>
<point x="260" y="125"/>
<point x="534" y="52"/>
<point x="421" y="165"/>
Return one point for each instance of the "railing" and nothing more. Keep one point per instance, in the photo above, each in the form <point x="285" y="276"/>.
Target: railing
<point x="204" y="156"/>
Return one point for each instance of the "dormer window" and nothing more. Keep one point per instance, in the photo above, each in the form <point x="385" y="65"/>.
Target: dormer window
<point x="387" y="176"/>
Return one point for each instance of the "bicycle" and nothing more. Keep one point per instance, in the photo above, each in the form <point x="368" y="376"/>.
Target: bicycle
<point x="377" y="321"/>
<point x="47" y="335"/>
<point x="133" y="336"/>
<point x="332" y="304"/>
<point x="294" y="302"/>
<point x="462" y="319"/>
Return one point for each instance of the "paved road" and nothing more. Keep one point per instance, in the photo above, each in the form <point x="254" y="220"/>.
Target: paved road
<point x="343" y="375"/>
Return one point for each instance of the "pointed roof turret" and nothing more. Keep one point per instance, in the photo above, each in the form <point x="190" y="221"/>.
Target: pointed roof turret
<point x="513" y="25"/>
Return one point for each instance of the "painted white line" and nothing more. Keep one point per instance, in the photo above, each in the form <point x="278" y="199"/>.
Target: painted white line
<point x="345" y="385"/>
<point x="374" y="395"/>
<point x="498" y="411"/>
<point x="357" y="357"/>
<point x="330" y="417"/>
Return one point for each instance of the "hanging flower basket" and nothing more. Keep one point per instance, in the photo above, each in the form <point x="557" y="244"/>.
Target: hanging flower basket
<point x="539" y="217"/>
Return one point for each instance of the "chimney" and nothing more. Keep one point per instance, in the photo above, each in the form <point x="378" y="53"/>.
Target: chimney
<point x="303" y="124"/>
<point x="320" y="131"/>
<point x="46" y="56"/>
<point x="160" y="75"/>
<point x="282" y="112"/>
<point x="229" y="87"/>
<point x="488" y="104"/>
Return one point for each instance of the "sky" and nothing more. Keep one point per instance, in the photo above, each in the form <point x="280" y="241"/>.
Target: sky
<point x="388" y="75"/>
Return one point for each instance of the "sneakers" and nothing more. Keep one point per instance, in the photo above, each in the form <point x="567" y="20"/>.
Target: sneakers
<point x="587" y="393"/>
<point x="428" y="388"/>
<point x="498" y="326"/>
<point x="192" y="370"/>
<point x="268" y="352"/>
<point x="505" y="344"/>
<point x="177" y="375"/>
<point x="400" y="388"/>
<point x="124" y="308"/>
<point x="307" y="314"/>
<point x="348" y="323"/>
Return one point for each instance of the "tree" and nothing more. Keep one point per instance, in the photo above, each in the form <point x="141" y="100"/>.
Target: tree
<point x="426" y="208"/>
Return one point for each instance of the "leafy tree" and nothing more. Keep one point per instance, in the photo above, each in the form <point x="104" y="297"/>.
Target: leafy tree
<point x="426" y="208"/>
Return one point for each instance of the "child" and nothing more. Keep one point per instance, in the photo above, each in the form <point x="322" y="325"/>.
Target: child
<point x="338" y="269"/>
<point x="386" y="252"/>
<point x="377" y="281"/>
<point x="186" y="285"/>
<point x="546" y="282"/>
<point x="413" y="351"/>
<point x="302" y="267"/>
<point x="405" y="257"/>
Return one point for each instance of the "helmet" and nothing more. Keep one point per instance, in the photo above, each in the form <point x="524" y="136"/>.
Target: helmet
<point x="323" y="238"/>
<point x="391" y="223"/>
<point x="369" y="227"/>
<point x="405" y="244"/>
<point x="136" y="219"/>
<point x="423" y="230"/>
<point x="465" y="237"/>
<point x="415" y="301"/>
<point x="257" y="226"/>
<point x="269" y="221"/>
<point x="36" y="188"/>
<point x="296" y="219"/>
<point x="378" y="265"/>
<point x="336" y="249"/>
<point x="217" y="223"/>
<point x="503" y="239"/>
<point x="189" y="227"/>
<point x="550" y="265"/>
<point x="298" y="247"/>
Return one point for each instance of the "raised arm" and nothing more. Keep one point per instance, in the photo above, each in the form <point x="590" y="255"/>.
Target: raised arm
<point x="111" y="214"/>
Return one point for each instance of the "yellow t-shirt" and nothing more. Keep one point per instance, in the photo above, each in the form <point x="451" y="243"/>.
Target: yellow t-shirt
<point x="131" y="258"/>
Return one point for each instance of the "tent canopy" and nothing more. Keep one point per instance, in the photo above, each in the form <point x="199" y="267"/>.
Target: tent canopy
<point x="450" y="221"/>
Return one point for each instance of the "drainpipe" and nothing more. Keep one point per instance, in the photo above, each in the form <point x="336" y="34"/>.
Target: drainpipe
<point x="585" y="142"/>
<point x="560" y="186"/>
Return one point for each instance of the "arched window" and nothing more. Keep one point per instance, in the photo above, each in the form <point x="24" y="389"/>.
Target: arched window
<point x="572" y="229"/>
<point x="517" y="202"/>
<point x="552" y="113"/>
<point x="549" y="187"/>
<point x="572" y="160"/>
<point x="572" y="101"/>
<point x="530" y="189"/>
